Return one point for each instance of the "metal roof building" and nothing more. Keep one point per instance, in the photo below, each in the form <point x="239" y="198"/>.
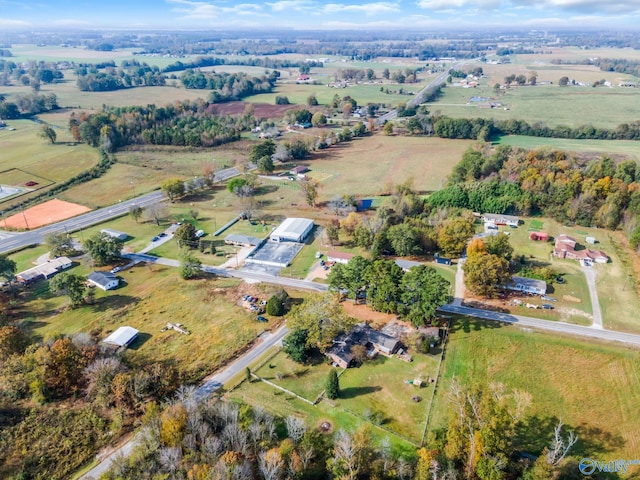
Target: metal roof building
<point x="122" y="336"/>
<point x="292" y="230"/>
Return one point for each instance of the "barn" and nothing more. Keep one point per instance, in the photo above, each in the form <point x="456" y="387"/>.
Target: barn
<point x="539" y="236"/>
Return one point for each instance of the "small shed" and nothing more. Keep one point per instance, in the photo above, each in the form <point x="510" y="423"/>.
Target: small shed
<point x="590" y="240"/>
<point x="122" y="336"/>
<point x="539" y="236"/>
<point x="442" y="260"/>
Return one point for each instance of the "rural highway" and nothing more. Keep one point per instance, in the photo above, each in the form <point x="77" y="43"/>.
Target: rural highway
<point x="210" y="385"/>
<point x="36" y="236"/>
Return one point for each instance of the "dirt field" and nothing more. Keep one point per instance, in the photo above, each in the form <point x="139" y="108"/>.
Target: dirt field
<point x="44" y="214"/>
<point x="363" y="313"/>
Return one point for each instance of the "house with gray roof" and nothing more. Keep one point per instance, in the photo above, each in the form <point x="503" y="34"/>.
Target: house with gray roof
<point x="104" y="280"/>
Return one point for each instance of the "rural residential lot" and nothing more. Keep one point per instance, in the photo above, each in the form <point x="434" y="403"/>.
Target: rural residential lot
<point x="399" y="225"/>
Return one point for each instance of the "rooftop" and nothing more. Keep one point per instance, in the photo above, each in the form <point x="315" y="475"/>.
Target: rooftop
<point x="122" y="336"/>
<point x="293" y="227"/>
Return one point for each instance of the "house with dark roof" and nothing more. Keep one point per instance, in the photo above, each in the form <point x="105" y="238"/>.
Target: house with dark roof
<point x="104" y="280"/>
<point x="241" y="240"/>
<point x="341" y="352"/>
<point x="500" y="219"/>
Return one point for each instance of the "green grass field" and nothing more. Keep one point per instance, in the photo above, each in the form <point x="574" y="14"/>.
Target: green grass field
<point x="626" y="148"/>
<point x="572" y="106"/>
<point x="149" y="298"/>
<point x="592" y="387"/>
<point x="22" y="149"/>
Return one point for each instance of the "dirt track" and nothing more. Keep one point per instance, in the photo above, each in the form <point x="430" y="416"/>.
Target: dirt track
<point x="44" y="214"/>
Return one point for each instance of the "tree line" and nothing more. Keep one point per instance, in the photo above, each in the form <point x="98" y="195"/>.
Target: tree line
<point x="27" y="105"/>
<point x="270" y="63"/>
<point x="599" y="192"/>
<point x="186" y="123"/>
<point x="134" y="74"/>
<point x="229" y="86"/>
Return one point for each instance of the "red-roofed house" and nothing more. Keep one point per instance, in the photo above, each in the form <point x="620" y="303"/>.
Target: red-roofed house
<point x="339" y="257"/>
<point x="565" y="247"/>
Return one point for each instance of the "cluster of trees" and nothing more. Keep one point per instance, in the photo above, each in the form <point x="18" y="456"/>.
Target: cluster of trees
<point x="32" y="73"/>
<point x="266" y="62"/>
<point x="63" y="399"/>
<point x="28" y="104"/>
<point x="599" y="193"/>
<point x="619" y="65"/>
<point x="229" y="86"/>
<point x="484" y="129"/>
<point x="135" y="74"/>
<point x="404" y="225"/>
<point x="183" y="123"/>
<point x="521" y="79"/>
<point x="415" y="295"/>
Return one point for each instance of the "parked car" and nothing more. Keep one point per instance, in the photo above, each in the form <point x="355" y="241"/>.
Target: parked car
<point x="318" y="254"/>
<point x="260" y="318"/>
<point x="547" y="306"/>
<point x="155" y="239"/>
<point x="324" y="267"/>
<point x="162" y="235"/>
<point x="115" y="269"/>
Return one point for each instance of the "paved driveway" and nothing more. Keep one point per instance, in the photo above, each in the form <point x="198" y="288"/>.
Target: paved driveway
<point x="590" y="274"/>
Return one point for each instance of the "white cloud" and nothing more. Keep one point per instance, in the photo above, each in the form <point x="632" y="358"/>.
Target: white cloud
<point x="375" y="8"/>
<point x="10" y="23"/>
<point x="291" y="5"/>
<point x="71" y="22"/>
<point x="207" y="11"/>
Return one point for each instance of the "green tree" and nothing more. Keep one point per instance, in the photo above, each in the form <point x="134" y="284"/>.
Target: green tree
<point x="265" y="164"/>
<point x="275" y="306"/>
<point x="13" y="340"/>
<point x="383" y="293"/>
<point x="173" y="188"/>
<point x="103" y="248"/>
<point x="190" y="265"/>
<point x="322" y="316"/>
<point x="235" y="184"/>
<point x="282" y="100"/>
<point x="386" y="74"/>
<point x="263" y="149"/>
<point x="59" y="244"/>
<point x="319" y="119"/>
<point x="71" y="285"/>
<point x="423" y="292"/>
<point x="484" y="274"/>
<point x="185" y="235"/>
<point x="499" y="245"/>
<point x="404" y="239"/>
<point x="295" y="345"/>
<point x="48" y="133"/>
<point x="352" y="276"/>
<point x="388" y="128"/>
<point x="333" y="385"/>
<point x="563" y="82"/>
<point x="312" y="101"/>
<point x="136" y="213"/>
<point x="454" y="235"/>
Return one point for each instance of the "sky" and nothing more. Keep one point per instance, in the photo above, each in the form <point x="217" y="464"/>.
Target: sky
<point x="322" y="15"/>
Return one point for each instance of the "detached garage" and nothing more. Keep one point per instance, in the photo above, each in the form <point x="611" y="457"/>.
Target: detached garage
<point x="121" y="337"/>
<point x="292" y="230"/>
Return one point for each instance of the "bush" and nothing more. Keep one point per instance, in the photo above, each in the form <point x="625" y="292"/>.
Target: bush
<point x="275" y="306"/>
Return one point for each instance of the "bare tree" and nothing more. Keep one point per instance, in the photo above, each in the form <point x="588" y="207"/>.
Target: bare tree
<point x="345" y="454"/>
<point x="560" y="446"/>
<point x="271" y="464"/>
<point x="235" y="438"/>
<point x="295" y="428"/>
<point x="156" y="212"/>
<point x="170" y="458"/>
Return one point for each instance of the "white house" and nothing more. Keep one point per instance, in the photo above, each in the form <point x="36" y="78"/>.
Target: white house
<point x="339" y="257"/>
<point x="45" y="270"/>
<point x="104" y="280"/>
<point x="115" y="233"/>
<point x="527" y="285"/>
<point x="292" y="230"/>
<point x="500" y="219"/>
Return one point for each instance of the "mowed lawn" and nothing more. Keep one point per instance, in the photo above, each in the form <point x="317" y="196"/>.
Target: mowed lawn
<point x="150" y="297"/>
<point x="22" y="148"/>
<point x="380" y="387"/>
<point x="593" y="388"/>
<point x="625" y="148"/>
<point x="308" y="381"/>
<point x="572" y="106"/>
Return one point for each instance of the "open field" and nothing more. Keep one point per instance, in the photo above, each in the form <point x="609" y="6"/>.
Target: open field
<point x="22" y="149"/>
<point x="592" y="387"/>
<point x="620" y="148"/>
<point x="572" y="106"/>
<point x="363" y="94"/>
<point x="151" y="297"/>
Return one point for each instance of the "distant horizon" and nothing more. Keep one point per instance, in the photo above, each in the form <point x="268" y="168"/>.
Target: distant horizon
<point x="313" y="15"/>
